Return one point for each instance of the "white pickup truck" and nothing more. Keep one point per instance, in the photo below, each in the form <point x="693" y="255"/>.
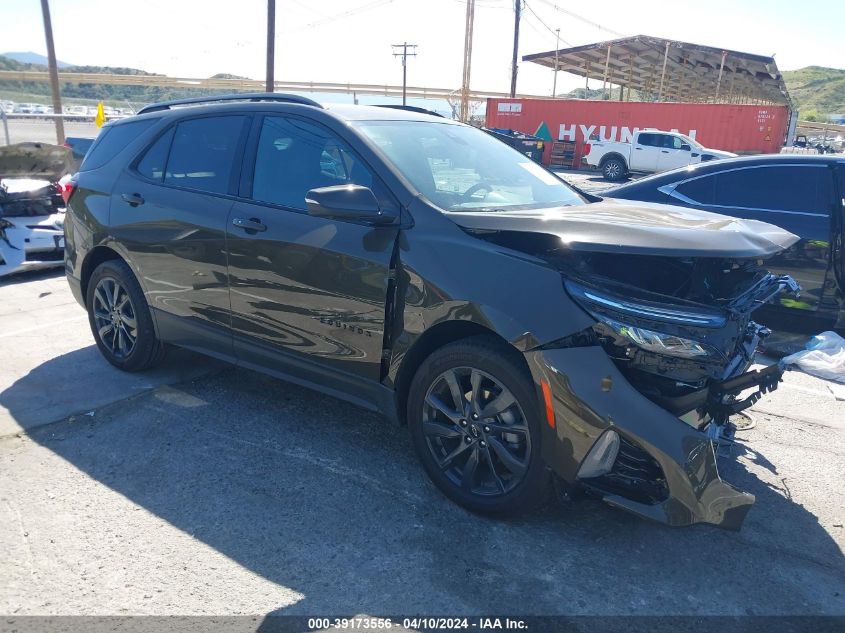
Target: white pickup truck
<point x="650" y="151"/>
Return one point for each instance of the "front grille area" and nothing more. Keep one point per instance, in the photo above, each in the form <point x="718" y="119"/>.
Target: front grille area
<point x="635" y="475"/>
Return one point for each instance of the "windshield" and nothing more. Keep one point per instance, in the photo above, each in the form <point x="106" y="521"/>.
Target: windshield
<point x="461" y="168"/>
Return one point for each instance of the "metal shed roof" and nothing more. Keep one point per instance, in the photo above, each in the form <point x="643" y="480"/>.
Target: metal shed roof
<point x="668" y="70"/>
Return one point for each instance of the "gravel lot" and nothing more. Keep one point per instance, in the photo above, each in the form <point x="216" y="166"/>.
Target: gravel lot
<point x="205" y="489"/>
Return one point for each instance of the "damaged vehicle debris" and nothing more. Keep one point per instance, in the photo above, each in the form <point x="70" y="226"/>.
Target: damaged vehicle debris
<point x="32" y="209"/>
<point x="527" y="334"/>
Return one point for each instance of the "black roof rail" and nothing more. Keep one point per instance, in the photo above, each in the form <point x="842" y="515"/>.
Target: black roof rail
<point x="243" y="96"/>
<point x="409" y="109"/>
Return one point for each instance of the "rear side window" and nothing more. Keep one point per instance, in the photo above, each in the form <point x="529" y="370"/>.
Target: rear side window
<point x="700" y="190"/>
<point x="786" y="188"/>
<point x="203" y="153"/>
<point x="111" y="140"/>
<point x="153" y="162"/>
<point x="647" y="139"/>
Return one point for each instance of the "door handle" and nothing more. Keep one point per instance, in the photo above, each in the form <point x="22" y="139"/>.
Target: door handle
<point x="664" y="151"/>
<point x="638" y="148"/>
<point x="251" y="225"/>
<point x="134" y="199"/>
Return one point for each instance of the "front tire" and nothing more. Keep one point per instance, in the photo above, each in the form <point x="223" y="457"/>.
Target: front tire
<point x="474" y="422"/>
<point x="614" y="169"/>
<point x="120" y="318"/>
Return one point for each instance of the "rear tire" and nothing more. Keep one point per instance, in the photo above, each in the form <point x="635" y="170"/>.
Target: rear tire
<point x="475" y="424"/>
<point x="614" y="169"/>
<point x="120" y="318"/>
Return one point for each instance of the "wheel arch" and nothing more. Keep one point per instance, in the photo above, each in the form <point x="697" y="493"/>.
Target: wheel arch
<point x="610" y="155"/>
<point x="94" y="258"/>
<point x="430" y="341"/>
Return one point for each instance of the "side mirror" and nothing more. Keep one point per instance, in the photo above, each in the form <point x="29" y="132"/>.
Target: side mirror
<point x="349" y="203"/>
<point x="686" y="147"/>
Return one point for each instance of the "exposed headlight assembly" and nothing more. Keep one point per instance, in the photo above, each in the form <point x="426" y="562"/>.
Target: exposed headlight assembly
<point x="658" y="342"/>
<point x="598" y="305"/>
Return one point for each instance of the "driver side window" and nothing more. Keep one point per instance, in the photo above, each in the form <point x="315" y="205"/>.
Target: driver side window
<point x="294" y="156"/>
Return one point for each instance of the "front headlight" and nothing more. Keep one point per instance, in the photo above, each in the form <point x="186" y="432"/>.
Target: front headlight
<point x="658" y="342"/>
<point x="614" y="311"/>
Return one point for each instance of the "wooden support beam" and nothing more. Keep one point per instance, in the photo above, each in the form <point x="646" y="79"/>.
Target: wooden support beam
<point x="606" y="68"/>
<point x="721" y="70"/>
<point x="663" y="73"/>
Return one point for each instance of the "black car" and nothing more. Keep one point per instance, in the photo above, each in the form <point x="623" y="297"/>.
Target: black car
<point x="78" y="146"/>
<point x="419" y="267"/>
<point x="804" y="194"/>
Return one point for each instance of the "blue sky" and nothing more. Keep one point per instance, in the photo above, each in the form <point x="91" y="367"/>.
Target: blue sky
<point x="349" y="40"/>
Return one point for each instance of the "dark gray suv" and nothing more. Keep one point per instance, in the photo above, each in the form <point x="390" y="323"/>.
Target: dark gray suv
<point x="419" y="267"/>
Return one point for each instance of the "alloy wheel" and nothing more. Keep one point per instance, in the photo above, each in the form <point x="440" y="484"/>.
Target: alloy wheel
<point x="476" y="432"/>
<point x="114" y="317"/>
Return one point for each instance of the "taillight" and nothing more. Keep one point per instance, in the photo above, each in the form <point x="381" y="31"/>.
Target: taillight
<point x="67" y="185"/>
<point x="587" y="147"/>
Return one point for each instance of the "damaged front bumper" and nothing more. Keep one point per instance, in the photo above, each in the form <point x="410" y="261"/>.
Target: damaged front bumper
<point x="665" y="468"/>
<point x="31" y="243"/>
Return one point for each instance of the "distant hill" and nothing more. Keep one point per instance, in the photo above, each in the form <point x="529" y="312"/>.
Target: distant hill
<point x="105" y="92"/>
<point x="33" y="58"/>
<point x="817" y="88"/>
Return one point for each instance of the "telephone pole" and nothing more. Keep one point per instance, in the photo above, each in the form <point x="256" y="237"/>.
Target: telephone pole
<point x="404" y="55"/>
<point x="517" y="9"/>
<point x="557" y="46"/>
<point x="270" y="84"/>
<point x="54" y="73"/>
<point x="464" y="115"/>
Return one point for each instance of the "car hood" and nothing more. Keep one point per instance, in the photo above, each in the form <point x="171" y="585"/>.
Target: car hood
<point x="638" y="228"/>
<point x="717" y="153"/>
<point x="35" y="160"/>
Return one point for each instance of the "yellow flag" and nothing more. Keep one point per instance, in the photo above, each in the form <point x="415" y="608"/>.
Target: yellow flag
<point x="101" y="115"/>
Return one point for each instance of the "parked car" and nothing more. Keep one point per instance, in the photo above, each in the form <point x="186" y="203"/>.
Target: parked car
<point x="802" y="194"/>
<point x="76" y="110"/>
<point x="24" y="108"/>
<point x="32" y="210"/>
<point x="419" y="267"/>
<point x="78" y="146"/>
<point x="528" y="144"/>
<point x="650" y="151"/>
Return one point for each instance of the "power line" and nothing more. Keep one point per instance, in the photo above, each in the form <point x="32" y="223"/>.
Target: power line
<point x="404" y="55"/>
<point x="548" y="28"/>
<point x="530" y="23"/>
<point x="582" y="18"/>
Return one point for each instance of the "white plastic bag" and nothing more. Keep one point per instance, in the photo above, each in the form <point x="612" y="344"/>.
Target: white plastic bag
<point x="824" y="356"/>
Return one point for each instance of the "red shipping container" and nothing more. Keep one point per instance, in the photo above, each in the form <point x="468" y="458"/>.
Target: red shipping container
<point x="744" y="129"/>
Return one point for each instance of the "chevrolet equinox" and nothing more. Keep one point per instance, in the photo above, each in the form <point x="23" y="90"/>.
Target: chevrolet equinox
<point x="526" y="333"/>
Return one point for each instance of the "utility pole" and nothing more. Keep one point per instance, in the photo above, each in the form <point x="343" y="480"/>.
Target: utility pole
<point x="404" y="55"/>
<point x="464" y="115"/>
<point x="557" y="46"/>
<point x="54" y="73"/>
<point x="270" y="84"/>
<point x="517" y="9"/>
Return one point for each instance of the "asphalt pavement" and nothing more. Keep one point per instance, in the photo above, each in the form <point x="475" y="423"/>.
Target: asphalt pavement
<point x="201" y="488"/>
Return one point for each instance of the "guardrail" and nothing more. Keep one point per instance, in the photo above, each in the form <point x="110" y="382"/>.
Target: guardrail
<point x="70" y="117"/>
<point x="251" y="85"/>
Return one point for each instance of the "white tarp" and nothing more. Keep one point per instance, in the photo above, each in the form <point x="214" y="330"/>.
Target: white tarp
<point x="824" y="356"/>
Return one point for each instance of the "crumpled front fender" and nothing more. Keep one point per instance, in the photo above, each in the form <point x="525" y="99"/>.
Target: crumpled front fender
<point x="590" y="395"/>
